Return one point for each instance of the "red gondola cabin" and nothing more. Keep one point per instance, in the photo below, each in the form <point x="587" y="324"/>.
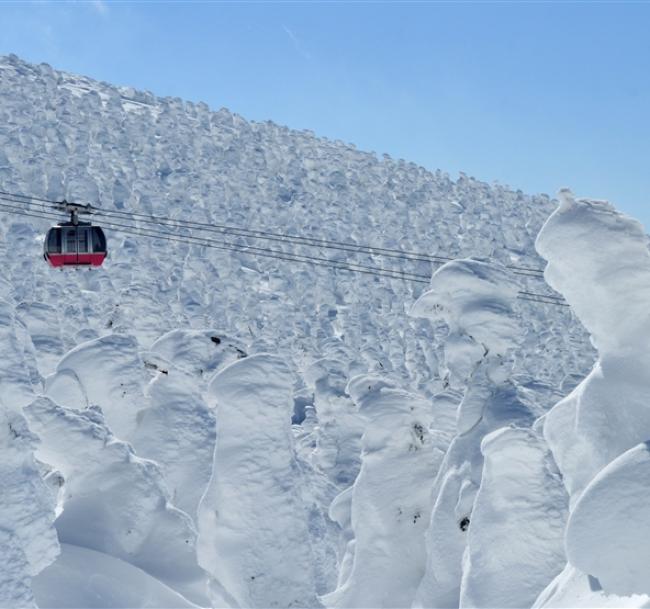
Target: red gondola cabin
<point x="80" y="244"/>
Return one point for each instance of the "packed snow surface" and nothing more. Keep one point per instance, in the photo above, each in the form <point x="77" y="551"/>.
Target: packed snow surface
<point x="84" y="579"/>
<point x="614" y="504"/>
<point x="188" y="426"/>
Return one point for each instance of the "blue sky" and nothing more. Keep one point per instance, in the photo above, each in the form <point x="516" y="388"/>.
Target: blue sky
<point x="534" y="95"/>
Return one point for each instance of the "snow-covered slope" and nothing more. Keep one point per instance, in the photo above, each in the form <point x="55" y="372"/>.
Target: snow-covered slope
<point x="217" y="428"/>
<point x="67" y="136"/>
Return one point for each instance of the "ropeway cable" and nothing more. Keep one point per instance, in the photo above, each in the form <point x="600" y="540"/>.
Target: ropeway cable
<point x="390" y="273"/>
<point x="265" y="252"/>
<point x="276" y="236"/>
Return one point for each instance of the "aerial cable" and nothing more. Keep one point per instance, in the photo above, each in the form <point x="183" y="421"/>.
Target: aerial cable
<point x="391" y="273"/>
<point x="255" y="249"/>
<point x="537" y="295"/>
<point x="275" y="236"/>
<point x="228" y="246"/>
<point x="559" y="303"/>
<point x="304" y="241"/>
<point x="249" y="248"/>
<point x="268" y="253"/>
<point x="395" y="273"/>
<point x="306" y="257"/>
<point x="295" y="239"/>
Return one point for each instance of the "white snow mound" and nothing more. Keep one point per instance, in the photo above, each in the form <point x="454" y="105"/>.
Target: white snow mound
<point x="608" y="534"/>
<point x="598" y="258"/>
<point x="253" y="529"/>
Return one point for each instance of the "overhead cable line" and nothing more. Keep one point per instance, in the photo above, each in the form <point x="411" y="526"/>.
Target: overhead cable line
<point x="240" y="247"/>
<point x="233" y="247"/>
<point x="228" y="245"/>
<point x="541" y="299"/>
<point x="354" y="267"/>
<point x="276" y="236"/>
<point x="301" y="240"/>
<point x="268" y="253"/>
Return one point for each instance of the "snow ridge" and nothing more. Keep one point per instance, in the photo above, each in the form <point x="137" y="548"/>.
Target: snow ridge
<point x="216" y="429"/>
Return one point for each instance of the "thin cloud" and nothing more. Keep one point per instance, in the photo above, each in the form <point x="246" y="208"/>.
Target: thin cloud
<point x="296" y="43"/>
